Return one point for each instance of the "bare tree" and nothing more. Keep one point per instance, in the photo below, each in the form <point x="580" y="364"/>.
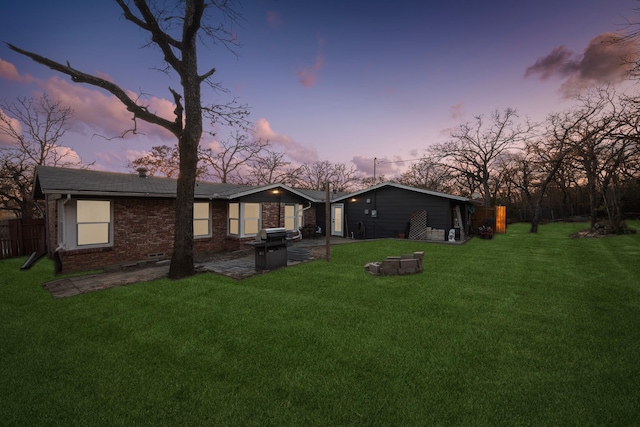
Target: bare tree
<point x="344" y="178"/>
<point x="370" y="181"/>
<point x="229" y="161"/>
<point x="223" y="164"/>
<point x="601" y="140"/>
<point x="272" y="167"/>
<point x="532" y="170"/>
<point x="473" y="148"/>
<point x="314" y="176"/>
<point x="161" y="160"/>
<point x="177" y="29"/>
<point x="429" y="174"/>
<point x="35" y="128"/>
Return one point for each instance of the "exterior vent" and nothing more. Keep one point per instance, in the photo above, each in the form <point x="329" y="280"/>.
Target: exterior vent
<point x="142" y="172"/>
<point x="157" y="255"/>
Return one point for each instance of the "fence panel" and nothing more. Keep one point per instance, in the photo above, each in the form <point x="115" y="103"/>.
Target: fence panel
<point x="497" y="216"/>
<point x="21" y="237"/>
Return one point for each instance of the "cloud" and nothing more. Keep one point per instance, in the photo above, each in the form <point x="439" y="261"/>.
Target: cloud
<point x="457" y="111"/>
<point x="93" y="108"/>
<point x="384" y="166"/>
<point x="103" y="113"/>
<point x="295" y="151"/>
<point x="66" y="155"/>
<point x="605" y="60"/>
<point x="309" y="75"/>
<point x="116" y="160"/>
<point x="10" y="72"/>
<point x="274" y="19"/>
<point x="6" y="140"/>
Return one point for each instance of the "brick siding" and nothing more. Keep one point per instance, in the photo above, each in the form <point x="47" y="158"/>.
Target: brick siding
<point x="143" y="231"/>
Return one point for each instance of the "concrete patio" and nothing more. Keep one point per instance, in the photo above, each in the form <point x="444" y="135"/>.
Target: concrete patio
<point x="237" y="265"/>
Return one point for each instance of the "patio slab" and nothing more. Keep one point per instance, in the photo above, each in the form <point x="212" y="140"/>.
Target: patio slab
<point x="239" y="265"/>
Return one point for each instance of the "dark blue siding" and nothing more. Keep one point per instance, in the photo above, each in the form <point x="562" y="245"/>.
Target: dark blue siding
<point x="394" y="207"/>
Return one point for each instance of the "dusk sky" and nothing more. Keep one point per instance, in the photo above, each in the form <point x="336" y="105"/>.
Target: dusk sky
<point x="344" y="81"/>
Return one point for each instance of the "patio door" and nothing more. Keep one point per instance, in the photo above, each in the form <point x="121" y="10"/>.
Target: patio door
<point x="337" y="219"/>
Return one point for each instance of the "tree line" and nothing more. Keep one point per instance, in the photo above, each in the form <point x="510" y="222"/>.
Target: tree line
<point x="582" y="161"/>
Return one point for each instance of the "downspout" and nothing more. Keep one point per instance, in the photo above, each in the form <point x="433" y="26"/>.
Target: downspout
<point x="305" y="209"/>
<point x="57" y="261"/>
<point x="45" y="214"/>
<point x="63" y="219"/>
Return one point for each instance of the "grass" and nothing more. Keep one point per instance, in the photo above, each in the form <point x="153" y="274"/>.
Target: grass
<point x="519" y="330"/>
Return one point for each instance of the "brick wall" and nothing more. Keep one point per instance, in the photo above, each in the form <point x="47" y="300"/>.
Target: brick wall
<point x="143" y="231"/>
<point x="270" y="215"/>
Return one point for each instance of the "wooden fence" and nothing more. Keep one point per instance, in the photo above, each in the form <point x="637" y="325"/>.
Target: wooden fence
<point x="496" y="214"/>
<point x="21" y="237"/>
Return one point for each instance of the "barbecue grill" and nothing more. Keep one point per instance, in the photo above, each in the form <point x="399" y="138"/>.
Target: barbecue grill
<point x="270" y="248"/>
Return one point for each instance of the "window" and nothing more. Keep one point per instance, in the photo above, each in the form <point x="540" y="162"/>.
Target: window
<point x="244" y="219"/>
<point x="201" y="219"/>
<point x="93" y="220"/>
<point x="251" y="220"/>
<point x="234" y="218"/>
<point x="293" y="217"/>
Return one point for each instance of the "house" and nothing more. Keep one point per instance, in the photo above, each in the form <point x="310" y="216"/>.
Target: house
<point x="98" y="219"/>
<point x="394" y="210"/>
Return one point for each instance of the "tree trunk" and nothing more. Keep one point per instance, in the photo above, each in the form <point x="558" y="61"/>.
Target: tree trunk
<point x="593" y="200"/>
<point x="535" y="219"/>
<point x="182" y="257"/>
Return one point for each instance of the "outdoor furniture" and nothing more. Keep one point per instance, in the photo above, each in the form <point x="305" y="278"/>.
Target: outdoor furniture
<point x="486" y="230"/>
<point x="308" y="231"/>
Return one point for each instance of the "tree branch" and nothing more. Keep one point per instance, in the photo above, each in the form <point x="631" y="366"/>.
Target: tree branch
<point x="138" y="111"/>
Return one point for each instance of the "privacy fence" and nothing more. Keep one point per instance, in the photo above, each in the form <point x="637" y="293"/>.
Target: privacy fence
<point x="495" y="216"/>
<point x="21" y="237"/>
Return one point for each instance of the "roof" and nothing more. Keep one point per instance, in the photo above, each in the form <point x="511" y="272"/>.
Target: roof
<point x="403" y="187"/>
<point x="86" y="182"/>
<point x="56" y="180"/>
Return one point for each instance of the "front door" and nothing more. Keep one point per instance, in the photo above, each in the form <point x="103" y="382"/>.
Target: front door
<point x="337" y="219"/>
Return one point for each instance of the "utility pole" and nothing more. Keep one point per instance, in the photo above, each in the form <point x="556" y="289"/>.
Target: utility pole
<point x="327" y="225"/>
<point x="375" y="159"/>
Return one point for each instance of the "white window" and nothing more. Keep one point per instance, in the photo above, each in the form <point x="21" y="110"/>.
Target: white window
<point x="244" y="219"/>
<point x="251" y="218"/>
<point x="293" y="217"/>
<point x="201" y="219"/>
<point x="93" y="223"/>
<point x="234" y="219"/>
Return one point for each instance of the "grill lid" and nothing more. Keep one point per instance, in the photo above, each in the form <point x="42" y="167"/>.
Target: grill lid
<point x="269" y="234"/>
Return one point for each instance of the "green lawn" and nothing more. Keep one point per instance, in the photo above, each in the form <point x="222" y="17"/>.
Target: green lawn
<point x="519" y="330"/>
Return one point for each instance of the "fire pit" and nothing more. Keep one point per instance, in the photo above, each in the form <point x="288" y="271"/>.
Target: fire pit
<point x="395" y="265"/>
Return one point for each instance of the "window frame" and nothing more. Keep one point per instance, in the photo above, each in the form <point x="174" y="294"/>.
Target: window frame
<point x="201" y="219"/>
<point x="240" y="221"/>
<point x="297" y="216"/>
<point x="71" y="215"/>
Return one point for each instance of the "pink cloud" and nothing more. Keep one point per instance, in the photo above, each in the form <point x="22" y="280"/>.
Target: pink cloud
<point x="383" y="165"/>
<point x="457" y="111"/>
<point x="605" y="60"/>
<point x="66" y="155"/>
<point x="95" y="109"/>
<point x="10" y="72"/>
<point x="309" y="75"/>
<point x="102" y="112"/>
<point x="295" y="151"/>
<point x="6" y="140"/>
<point x="116" y="160"/>
<point x="274" y="19"/>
